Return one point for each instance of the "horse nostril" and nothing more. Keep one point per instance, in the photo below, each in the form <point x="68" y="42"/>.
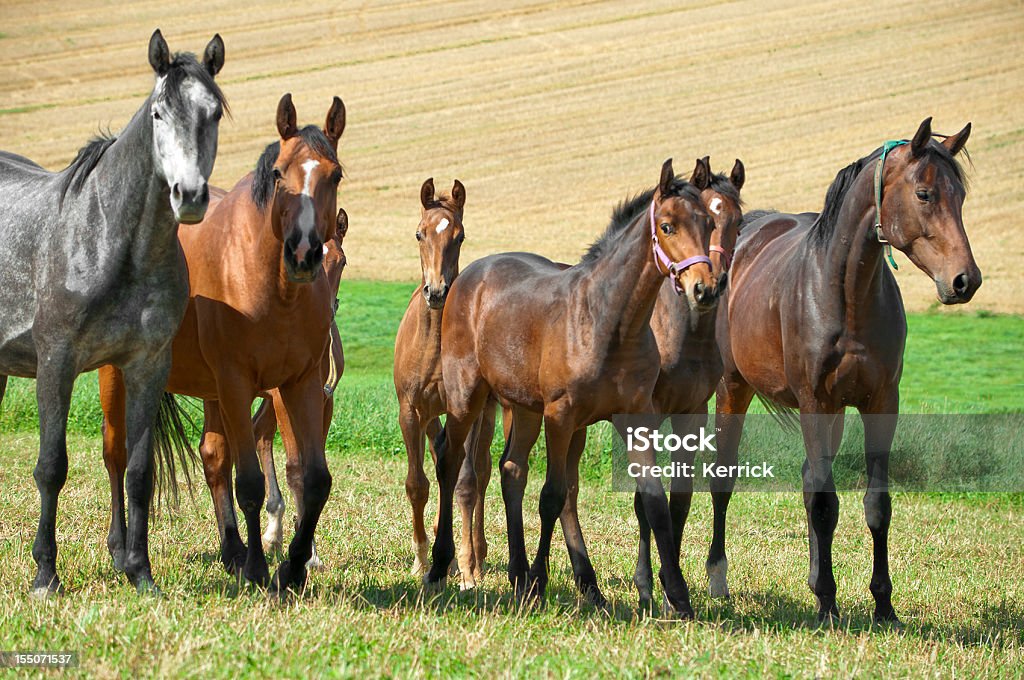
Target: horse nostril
<point x="961" y="282"/>
<point x="176" y="191"/>
<point x="698" y="291"/>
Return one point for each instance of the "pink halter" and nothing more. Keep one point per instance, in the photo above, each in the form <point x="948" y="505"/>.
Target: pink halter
<point x="726" y="257"/>
<point x="673" y="269"/>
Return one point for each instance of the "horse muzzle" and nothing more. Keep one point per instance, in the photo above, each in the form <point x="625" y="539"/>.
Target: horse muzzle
<point x="960" y="289"/>
<point x="190" y="205"/>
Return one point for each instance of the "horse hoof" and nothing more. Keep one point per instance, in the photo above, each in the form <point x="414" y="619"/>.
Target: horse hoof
<point x="593" y="596"/>
<point x="118" y="557"/>
<point x="46" y="593"/>
<point x="887" y="620"/>
<point x="828" y="618"/>
<point x="286" y="579"/>
<point x="147" y="589"/>
<point x="434" y="587"/>
<point x="272" y="545"/>
<point x="453" y="567"/>
<point x="418" y="568"/>
<point x="314" y="563"/>
<point x="718" y="583"/>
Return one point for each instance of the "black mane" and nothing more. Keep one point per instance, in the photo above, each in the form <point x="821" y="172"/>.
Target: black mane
<point x="183" y="66"/>
<point x="263" y="181"/>
<point x="825" y="224"/>
<point x="627" y="211"/>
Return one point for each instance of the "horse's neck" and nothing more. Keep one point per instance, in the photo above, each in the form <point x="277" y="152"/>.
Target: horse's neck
<point x="134" y="200"/>
<point x="625" y="283"/>
<point x="854" y="264"/>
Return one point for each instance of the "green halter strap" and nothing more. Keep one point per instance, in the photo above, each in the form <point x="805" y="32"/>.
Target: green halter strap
<point x="886" y="148"/>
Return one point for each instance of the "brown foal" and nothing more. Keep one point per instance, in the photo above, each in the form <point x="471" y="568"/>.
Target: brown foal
<point x="566" y="348"/>
<point x="265" y="421"/>
<point x="259" y="317"/>
<point x="421" y="395"/>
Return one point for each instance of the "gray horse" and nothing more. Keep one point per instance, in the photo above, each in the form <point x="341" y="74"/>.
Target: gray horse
<point x="91" y="273"/>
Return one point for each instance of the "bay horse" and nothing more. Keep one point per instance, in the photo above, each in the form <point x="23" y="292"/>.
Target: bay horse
<point x="813" y="320"/>
<point x="265" y="421"/>
<point x="417" y="371"/>
<point x="94" y="275"/>
<point x="690" y="367"/>
<point x="258" y="317"/>
<point x="566" y="348"/>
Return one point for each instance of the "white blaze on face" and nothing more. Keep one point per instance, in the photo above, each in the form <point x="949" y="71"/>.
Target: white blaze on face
<point x="442" y="225"/>
<point x="307" y="213"/>
<point x="716" y="205"/>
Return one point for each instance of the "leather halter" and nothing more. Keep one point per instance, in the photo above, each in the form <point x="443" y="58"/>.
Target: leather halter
<point x="672" y="268"/>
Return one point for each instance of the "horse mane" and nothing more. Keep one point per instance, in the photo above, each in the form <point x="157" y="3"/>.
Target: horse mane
<point x="263" y="180"/>
<point x="73" y="177"/>
<point x="443" y="200"/>
<point x="183" y="66"/>
<point x="825" y="224"/>
<point x="627" y="211"/>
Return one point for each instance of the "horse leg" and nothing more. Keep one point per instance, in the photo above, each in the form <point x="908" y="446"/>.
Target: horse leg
<point x="654" y="504"/>
<point x="417" y="486"/>
<point x="879" y="428"/>
<point x="216" y="454"/>
<point x="524" y="428"/>
<point x="144" y="382"/>
<point x="558" y="435"/>
<point x="294" y="468"/>
<point x="303" y="403"/>
<point x="582" y="568"/>
<point x="264" y="426"/>
<point x="54" y="382"/>
<point x="435" y="434"/>
<point x="115" y="457"/>
<point x="732" y="400"/>
<point x="456" y="476"/>
<point x="484" y="431"/>
<point x="643" y="575"/>
<point x="822" y="505"/>
<point x="235" y="402"/>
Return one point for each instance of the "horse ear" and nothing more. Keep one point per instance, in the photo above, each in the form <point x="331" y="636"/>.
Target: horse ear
<point x="427" y="193"/>
<point x="921" y="137"/>
<point x="738" y="175"/>
<point x="701" y="176"/>
<point x="668" y="176"/>
<point x="459" y="196"/>
<point x="335" y="124"/>
<point x="342" y="225"/>
<point x="213" y="55"/>
<point x="159" y="53"/>
<point x="286" y="117"/>
<point x="955" y="143"/>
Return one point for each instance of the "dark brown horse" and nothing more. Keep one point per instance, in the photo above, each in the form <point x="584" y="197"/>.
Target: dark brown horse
<point x="813" y="320"/>
<point x="690" y="369"/>
<point x="417" y="373"/>
<point x="566" y="348"/>
<point x="265" y="420"/>
<point x="259" y="317"/>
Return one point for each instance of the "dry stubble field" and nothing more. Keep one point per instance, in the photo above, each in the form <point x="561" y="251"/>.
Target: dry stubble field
<point x="551" y="112"/>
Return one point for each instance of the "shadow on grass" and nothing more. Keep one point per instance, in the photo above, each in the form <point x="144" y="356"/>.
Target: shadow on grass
<point x="1000" y="625"/>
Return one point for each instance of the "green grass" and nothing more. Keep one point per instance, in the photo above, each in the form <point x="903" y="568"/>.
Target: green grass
<point x="957" y="560"/>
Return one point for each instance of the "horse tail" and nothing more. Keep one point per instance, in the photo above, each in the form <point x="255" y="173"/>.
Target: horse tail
<point x="787" y="418"/>
<point x="172" y="448"/>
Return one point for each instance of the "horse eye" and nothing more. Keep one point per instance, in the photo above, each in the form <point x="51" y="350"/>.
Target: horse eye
<point x="923" y="195"/>
<point x="419" y="235"/>
<point x="336" y="176"/>
<point x="156" y="115"/>
<point x="277" y="174"/>
<point x="460" y="239"/>
<point x="666" y="227"/>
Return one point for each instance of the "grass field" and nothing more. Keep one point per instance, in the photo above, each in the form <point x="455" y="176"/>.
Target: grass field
<point x="551" y="112"/>
<point x="957" y="560"/>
